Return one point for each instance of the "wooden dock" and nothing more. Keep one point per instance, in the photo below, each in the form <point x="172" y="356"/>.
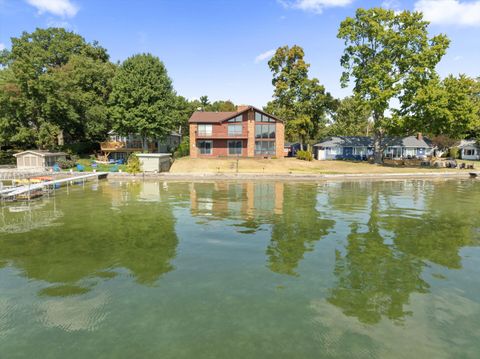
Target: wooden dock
<point x="26" y="190"/>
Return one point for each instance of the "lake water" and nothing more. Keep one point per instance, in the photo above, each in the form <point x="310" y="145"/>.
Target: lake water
<point x="243" y="270"/>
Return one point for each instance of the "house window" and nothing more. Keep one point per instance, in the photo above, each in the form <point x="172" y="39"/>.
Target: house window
<point x="265" y="147"/>
<point x="235" y="147"/>
<point x="239" y="118"/>
<point x="265" y="131"/>
<point x="469" y="152"/>
<point x="235" y="130"/>
<point x="205" y="147"/>
<point x="263" y="118"/>
<point x="204" y="130"/>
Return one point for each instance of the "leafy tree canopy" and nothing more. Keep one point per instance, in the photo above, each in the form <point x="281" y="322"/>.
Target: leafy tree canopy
<point x="450" y="107"/>
<point x="300" y="101"/>
<point x="388" y="55"/>
<point x="351" y="118"/>
<point x="53" y="83"/>
<point x="142" y="99"/>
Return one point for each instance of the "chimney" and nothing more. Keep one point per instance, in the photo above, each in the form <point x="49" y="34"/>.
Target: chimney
<point x="241" y="108"/>
<point x="419" y="136"/>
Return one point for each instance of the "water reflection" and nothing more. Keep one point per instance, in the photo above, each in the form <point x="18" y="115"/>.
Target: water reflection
<point x="93" y="241"/>
<point x="382" y="238"/>
<point x="296" y="230"/>
<point x="409" y="224"/>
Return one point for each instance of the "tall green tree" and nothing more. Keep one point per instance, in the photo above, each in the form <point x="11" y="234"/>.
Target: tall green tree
<point x="351" y="118"/>
<point x="204" y="101"/>
<point x="300" y="101"/>
<point x="450" y="107"/>
<point x="388" y="55"/>
<point x="52" y="83"/>
<point x="142" y="99"/>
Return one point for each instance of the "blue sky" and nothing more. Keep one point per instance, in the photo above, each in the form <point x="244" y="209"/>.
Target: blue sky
<point x="220" y="48"/>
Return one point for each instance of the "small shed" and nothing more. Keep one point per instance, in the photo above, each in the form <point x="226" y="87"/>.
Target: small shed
<point x="38" y="159"/>
<point x="154" y="162"/>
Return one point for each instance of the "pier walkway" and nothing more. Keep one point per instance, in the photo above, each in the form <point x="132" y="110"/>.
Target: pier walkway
<point x="12" y="192"/>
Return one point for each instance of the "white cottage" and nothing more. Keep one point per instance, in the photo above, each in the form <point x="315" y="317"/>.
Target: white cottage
<point x="470" y="150"/>
<point x="37" y="159"/>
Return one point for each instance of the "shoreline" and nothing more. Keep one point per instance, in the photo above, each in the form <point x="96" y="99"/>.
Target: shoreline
<point x="225" y="176"/>
<point x="288" y="176"/>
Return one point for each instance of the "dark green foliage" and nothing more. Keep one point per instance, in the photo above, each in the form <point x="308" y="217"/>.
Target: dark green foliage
<point x="351" y="118"/>
<point x="300" y="101"/>
<point x="143" y="100"/>
<point x="54" y="85"/>
<point x="7" y="158"/>
<point x="388" y="55"/>
<point x="183" y="149"/>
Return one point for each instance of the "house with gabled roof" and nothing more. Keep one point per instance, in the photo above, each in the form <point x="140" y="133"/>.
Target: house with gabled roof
<point x="247" y="132"/>
<point x="470" y="149"/>
<point x="361" y="147"/>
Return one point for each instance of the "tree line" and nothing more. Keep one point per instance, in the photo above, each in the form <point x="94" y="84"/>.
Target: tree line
<point x="390" y="61"/>
<point x="57" y="89"/>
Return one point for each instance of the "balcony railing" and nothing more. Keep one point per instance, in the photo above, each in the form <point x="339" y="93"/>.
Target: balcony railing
<point x="126" y="146"/>
<point x="211" y="135"/>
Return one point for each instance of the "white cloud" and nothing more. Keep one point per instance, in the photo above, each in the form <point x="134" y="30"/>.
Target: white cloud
<point x="264" y="55"/>
<point x="2" y="46"/>
<point x="450" y="12"/>
<point x="64" y="8"/>
<point x="315" y="6"/>
<point x="391" y="4"/>
<point x="458" y="58"/>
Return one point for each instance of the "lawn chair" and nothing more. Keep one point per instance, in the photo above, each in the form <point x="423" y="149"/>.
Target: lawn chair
<point x="80" y="168"/>
<point x="56" y="167"/>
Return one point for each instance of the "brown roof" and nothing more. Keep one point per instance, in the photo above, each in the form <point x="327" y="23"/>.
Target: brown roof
<point x="217" y="117"/>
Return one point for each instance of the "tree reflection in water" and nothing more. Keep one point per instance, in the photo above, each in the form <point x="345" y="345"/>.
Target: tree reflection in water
<point x="100" y="234"/>
<point x="382" y="264"/>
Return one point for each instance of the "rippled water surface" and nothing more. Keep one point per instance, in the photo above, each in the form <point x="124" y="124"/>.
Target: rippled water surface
<point x="243" y="270"/>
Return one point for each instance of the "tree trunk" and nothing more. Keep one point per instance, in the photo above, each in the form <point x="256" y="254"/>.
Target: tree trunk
<point x="377" y="147"/>
<point x="377" y="138"/>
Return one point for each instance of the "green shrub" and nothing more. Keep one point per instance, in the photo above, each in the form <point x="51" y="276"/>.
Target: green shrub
<point x="183" y="148"/>
<point x="7" y="158"/>
<point x="133" y="164"/>
<point x="304" y="155"/>
<point x="65" y="164"/>
<point x="453" y="152"/>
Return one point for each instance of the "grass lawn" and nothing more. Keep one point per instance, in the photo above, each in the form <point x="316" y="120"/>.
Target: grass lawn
<point x="292" y="165"/>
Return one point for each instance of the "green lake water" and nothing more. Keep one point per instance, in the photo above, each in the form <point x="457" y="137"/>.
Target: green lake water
<point x="243" y="270"/>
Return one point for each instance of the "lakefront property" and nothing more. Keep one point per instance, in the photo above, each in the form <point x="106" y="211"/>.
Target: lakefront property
<point x="246" y="132"/>
<point x="361" y="148"/>
<point x="146" y="213"/>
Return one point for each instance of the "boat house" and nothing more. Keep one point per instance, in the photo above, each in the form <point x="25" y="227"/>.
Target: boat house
<point x="38" y="159"/>
<point x="361" y="147"/>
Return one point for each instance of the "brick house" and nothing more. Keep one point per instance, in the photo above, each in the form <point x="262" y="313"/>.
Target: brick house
<point x="248" y="132"/>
